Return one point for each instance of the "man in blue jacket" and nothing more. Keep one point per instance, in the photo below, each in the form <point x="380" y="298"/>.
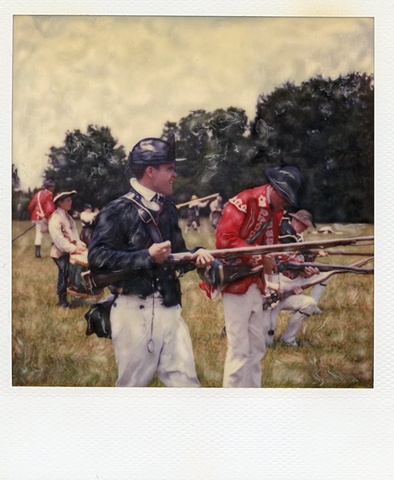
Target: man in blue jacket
<point x="136" y="233"/>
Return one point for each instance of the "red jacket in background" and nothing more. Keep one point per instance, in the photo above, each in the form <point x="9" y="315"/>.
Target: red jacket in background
<point x="228" y="234"/>
<point x="41" y="205"/>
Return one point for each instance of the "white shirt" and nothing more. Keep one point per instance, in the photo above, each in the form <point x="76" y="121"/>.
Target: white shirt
<point x="147" y="195"/>
<point x="64" y="233"/>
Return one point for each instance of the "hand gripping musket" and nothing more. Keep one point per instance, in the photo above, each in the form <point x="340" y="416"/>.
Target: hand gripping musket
<point x="96" y="280"/>
<point x="354" y="268"/>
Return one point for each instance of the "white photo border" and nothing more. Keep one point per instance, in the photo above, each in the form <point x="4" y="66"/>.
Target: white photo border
<point x="78" y="433"/>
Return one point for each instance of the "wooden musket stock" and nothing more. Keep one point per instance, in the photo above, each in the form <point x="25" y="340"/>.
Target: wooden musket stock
<point x="97" y="280"/>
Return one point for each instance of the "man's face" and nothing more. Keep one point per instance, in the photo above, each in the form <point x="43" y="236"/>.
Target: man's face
<point x="66" y="203"/>
<point x="278" y="202"/>
<point x="162" y="178"/>
<point x="298" y="226"/>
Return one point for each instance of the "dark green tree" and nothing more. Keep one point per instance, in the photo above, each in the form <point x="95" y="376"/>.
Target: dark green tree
<point x="215" y="152"/>
<point x="325" y="127"/>
<point x="92" y="164"/>
<point x="20" y="199"/>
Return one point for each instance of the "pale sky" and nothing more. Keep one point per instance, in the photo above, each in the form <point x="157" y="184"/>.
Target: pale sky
<point x="133" y="74"/>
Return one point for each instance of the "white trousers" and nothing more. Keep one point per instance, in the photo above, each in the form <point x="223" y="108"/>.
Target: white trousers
<point x="39" y="232"/>
<point x="317" y="290"/>
<point x="138" y="324"/>
<point x="302" y="305"/>
<point x="244" y="319"/>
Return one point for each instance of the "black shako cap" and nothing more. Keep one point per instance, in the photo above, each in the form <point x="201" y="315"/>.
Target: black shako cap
<point x="153" y="151"/>
<point x="287" y="181"/>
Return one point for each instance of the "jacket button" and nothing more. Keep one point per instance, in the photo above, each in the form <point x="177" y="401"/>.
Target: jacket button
<point x="141" y="307"/>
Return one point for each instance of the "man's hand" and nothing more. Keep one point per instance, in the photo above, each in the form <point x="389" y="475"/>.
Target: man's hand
<point x="160" y="251"/>
<point x="80" y="249"/>
<point x="272" y="286"/>
<point x="310" y="271"/>
<point x="269" y="264"/>
<point x="204" y="258"/>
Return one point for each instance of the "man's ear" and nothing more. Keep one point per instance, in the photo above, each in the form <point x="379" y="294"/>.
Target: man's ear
<point x="149" y="171"/>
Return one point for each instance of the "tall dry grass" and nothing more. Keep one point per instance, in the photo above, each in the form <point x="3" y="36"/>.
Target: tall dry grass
<point x="50" y="348"/>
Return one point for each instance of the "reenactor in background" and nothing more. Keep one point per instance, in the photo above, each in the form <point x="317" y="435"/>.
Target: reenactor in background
<point x="303" y="306"/>
<point x="216" y="211"/>
<point x="64" y="234"/>
<point x="193" y="213"/>
<point x="41" y="208"/>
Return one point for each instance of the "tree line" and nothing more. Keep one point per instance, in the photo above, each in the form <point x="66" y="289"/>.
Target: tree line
<point x="323" y="126"/>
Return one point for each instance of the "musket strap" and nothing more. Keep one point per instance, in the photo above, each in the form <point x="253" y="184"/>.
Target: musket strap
<point x="42" y="214"/>
<point x="252" y="208"/>
<point x="147" y="218"/>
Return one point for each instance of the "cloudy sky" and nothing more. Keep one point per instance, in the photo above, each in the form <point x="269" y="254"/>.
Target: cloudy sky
<point x="135" y="73"/>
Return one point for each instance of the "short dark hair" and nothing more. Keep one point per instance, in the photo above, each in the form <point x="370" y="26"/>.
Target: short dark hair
<point x="138" y="170"/>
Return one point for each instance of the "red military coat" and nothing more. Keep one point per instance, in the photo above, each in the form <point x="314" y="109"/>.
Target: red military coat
<point x="238" y="225"/>
<point x="41" y="205"/>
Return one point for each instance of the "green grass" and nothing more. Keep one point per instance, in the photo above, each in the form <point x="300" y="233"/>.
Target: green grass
<point x="50" y="347"/>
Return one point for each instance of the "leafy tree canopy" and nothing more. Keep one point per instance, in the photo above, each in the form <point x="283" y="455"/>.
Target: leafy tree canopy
<point x="326" y="128"/>
<point x="323" y="126"/>
<point x="92" y="164"/>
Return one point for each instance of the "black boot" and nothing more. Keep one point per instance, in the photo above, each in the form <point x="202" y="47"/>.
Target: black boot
<point x="38" y="251"/>
<point x="63" y="303"/>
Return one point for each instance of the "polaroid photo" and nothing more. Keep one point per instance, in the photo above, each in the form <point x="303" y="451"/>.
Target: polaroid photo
<point x="139" y="134"/>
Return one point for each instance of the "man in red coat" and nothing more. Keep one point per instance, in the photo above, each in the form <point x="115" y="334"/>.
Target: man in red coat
<point x="252" y="218"/>
<point x="41" y="208"/>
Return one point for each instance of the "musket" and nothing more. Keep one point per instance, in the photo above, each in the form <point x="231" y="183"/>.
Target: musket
<point x="196" y="200"/>
<point x="338" y="252"/>
<point x="276" y="297"/>
<point x="179" y="258"/>
<point x="97" y="280"/>
<point x="219" y="275"/>
<point x="27" y="229"/>
<point x="323" y="267"/>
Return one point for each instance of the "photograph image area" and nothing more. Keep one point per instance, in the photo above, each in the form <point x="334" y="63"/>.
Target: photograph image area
<point x="193" y="202"/>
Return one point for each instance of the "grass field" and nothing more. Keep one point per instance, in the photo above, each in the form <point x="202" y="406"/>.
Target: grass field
<point x="50" y="348"/>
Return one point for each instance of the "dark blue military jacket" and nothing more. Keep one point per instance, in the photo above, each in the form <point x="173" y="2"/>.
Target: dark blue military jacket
<point x="121" y="240"/>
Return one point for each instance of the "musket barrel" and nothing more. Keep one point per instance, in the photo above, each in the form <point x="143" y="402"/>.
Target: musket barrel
<point x="196" y="200"/>
<point x="265" y="249"/>
<point x="323" y="267"/>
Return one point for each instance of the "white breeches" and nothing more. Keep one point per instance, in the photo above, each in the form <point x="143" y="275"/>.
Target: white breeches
<point x="317" y="290"/>
<point x="302" y="305"/>
<point x="39" y="234"/>
<point x="134" y="323"/>
<point x="244" y="321"/>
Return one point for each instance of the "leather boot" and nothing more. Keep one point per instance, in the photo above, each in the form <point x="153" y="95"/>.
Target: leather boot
<point x="63" y="303"/>
<point x="38" y="251"/>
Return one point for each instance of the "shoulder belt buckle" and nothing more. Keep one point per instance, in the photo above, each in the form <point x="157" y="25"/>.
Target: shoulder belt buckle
<point x="143" y="213"/>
